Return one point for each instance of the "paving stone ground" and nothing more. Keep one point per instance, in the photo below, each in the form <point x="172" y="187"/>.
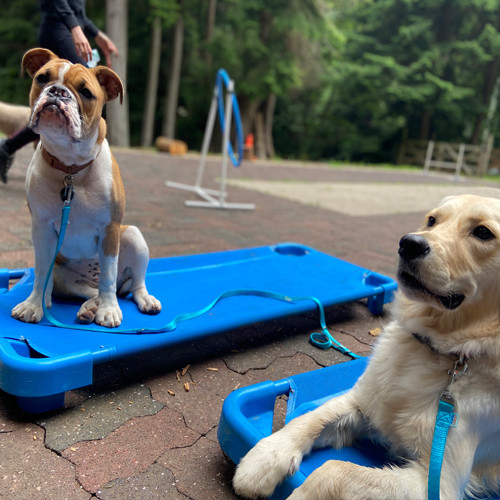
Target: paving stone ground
<point x="136" y="433"/>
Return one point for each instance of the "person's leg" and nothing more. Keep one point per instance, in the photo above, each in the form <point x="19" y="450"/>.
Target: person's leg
<point x="9" y="146"/>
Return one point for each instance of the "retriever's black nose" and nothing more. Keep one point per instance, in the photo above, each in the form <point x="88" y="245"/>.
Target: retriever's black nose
<point x="413" y="246"/>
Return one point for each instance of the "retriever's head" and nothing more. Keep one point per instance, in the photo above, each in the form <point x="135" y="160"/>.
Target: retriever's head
<point x="452" y="263"/>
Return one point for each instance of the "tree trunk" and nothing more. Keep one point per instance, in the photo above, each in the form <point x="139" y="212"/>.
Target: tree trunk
<point x="425" y="125"/>
<point x="117" y="115"/>
<point x="248" y="111"/>
<point x="174" y="81"/>
<point x="210" y="30"/>
<point x="490" y="100"/>
<point x="492" y="110"/>
<point x="260" y="136"/>
<point x="148" y="118"/>
<point x="270" y="106"/>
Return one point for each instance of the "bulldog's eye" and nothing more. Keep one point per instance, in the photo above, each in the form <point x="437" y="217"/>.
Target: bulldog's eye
<point x="431" y="221"/>
<point x="87" y="94"/>
<point x="42" y="78"/>
<point x="483" y="233"/>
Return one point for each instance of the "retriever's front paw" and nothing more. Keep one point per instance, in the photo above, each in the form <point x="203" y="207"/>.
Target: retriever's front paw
<point x="28" y="311"/>
<point x="304" y="492"/>
<point x="334" y="481"/>
<point x="264" y="467"/>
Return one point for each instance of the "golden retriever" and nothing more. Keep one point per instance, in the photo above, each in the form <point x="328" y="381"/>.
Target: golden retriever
<point x="447" y="311"/>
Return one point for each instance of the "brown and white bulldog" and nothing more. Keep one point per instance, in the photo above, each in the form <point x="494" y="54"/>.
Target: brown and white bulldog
<point x="99" y="256"/>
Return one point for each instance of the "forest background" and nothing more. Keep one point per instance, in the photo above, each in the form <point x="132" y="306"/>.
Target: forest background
<point x="348" y="80"/>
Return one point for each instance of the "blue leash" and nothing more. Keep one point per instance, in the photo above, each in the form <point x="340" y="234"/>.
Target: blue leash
<point x="446" y="417"/>
<point x="324" y="339"/>
<point x="172" y="325"/>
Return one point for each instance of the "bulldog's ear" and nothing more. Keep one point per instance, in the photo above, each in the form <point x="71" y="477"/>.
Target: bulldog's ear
<point x="34" y="59"/>
<point x="110" y="82"/>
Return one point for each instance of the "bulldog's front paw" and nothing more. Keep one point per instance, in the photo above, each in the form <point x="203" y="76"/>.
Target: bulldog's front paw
<point x="28" y="311"/>
<point x="87" y="312"/>
<point x="264" y="467"/>
<point x="146" y="303"/>
<point x="100" y="312"/>
<point x="109" y="315"/>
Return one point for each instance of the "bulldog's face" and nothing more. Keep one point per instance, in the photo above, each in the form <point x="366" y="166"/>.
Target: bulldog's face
<point x="67" y="99"/>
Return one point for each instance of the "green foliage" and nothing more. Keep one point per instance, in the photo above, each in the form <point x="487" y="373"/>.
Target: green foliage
<point x="353" y="77"/>
<point x="18" y="32"/>
<point x="167" y="10"/>
<point x="403" y="63"/>
<point x="265" y="45"/>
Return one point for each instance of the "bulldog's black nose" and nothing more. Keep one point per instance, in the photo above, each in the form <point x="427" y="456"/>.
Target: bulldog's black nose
<point x="58" y="91"/>
<point x="413" y="246"/>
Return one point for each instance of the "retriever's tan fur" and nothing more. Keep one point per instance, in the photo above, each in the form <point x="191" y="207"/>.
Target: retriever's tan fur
<point x="395" y="400"/>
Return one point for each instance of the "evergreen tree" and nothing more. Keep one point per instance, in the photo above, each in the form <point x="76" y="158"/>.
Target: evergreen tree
<point x="422" y="69"/>
<point x="19" y="32"/>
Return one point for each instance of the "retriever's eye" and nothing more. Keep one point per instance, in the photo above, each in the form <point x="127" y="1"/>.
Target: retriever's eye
<point x="483" y="233"/>
<point x="431" y="221"/>
<point x="87" y="93"/>
<point x="42" y="78"/>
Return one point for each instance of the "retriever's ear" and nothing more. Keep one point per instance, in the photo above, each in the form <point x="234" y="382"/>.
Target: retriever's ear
<point x="34" y="59"/>
<point x="446" y="199"/>
<point x="110" y="82"/>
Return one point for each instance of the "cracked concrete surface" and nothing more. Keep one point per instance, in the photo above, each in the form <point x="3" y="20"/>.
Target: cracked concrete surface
<point x="139" y="432"/>
<point x="97" y="417"/>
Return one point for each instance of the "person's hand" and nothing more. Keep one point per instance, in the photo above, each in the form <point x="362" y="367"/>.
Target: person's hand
<point x="82" y="45"/>
<point x="107" y="46"/>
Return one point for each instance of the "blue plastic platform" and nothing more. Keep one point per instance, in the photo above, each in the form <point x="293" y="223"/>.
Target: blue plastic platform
<point x="247" y="417"/>
<point x="38" y="363"/>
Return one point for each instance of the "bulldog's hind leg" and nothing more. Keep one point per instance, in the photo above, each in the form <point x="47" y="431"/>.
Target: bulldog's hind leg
<point x="132" y="265"/>
<point x="79" y="280"/>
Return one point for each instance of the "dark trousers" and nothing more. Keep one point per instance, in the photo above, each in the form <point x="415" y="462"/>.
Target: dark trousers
<point x="55" y="36"/>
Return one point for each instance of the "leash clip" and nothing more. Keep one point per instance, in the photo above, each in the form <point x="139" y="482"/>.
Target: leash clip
<point x="459" y="369"/>
<point x="67" y="192"/>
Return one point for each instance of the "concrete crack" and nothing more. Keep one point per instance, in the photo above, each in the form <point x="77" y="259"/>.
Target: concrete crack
<point x="356" y="338"/>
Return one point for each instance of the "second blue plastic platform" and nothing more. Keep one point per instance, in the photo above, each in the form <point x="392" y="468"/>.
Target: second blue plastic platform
<point x="248" y="413"/>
